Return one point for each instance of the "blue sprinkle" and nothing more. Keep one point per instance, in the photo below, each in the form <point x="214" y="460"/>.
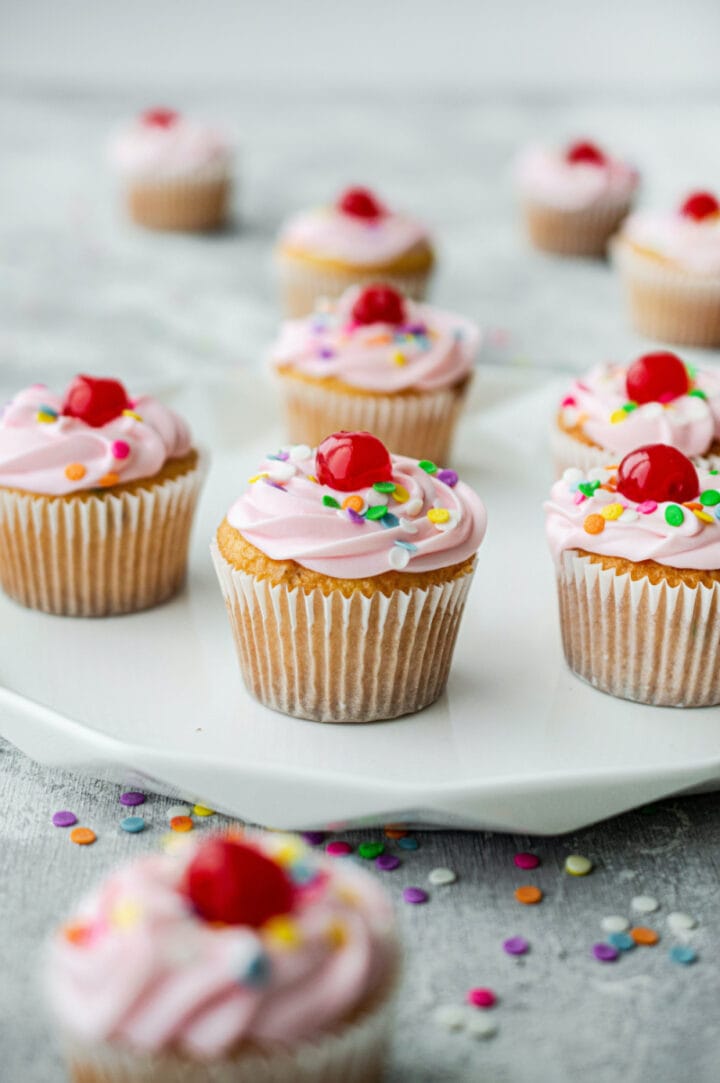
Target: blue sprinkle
<point x="422" y="342"/>
<point x="389" y="520"/>
<point x="621" y="941"/>
<point x="133" y="824"/>
<point x="257" y="971"/>
<point x="407" y="545"/>
<point x="47" y="410"/>
<point x="408" y="843"/>
<point x="683" y="954"/>
<point x="717" y="511"/>
<point x="303" y="873"/>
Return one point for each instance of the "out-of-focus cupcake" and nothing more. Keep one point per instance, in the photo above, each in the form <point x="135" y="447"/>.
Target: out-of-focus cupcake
<point x="670" y="266"/>
<point x="355" y="241"/>
<point x="573" y="199"/>
<point x="656" y="400"/>
<point x="637" y="556"/>
<point x="239" y="959"/>
<point x="97" y="494"/>
<point x="345" y="573"/>
<point x="377" y="361"/>
<point x="176" y="172"/>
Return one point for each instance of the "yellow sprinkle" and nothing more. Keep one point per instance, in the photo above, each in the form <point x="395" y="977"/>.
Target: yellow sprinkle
<point x="282" y="930"/>
<point x="337" y="934"/>
<point x="346" y="895"/>
<point x="201" y="810"/>
<point x="131" y="413"/>
<point x="399" y="358"/>
<point x="612" y="511"/>
<point x="311" y="477"/>
<point x="400" y="494"/>
<point x="438" y="515"/>
<point x="617" y="416"/>
<point x="46" y="419"/>
<point x="125" y="914"/>
<point x="256" y="477"/>
<point x="703" y="516"/>
<point x="289" y="852"/>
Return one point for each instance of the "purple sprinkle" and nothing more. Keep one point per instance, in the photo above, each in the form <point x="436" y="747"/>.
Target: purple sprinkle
<point x="448" y="476"/>
<point x="414" y="328"/>
<point x="64" y="818"/>
<point x="387" y="862"/>
<point x="353" y="515"/>
<point x="274" y="484"/>
<point x="313" y="838"/>
<point x="326" y="352"/>
<point x="283" y="456"/>
<point x="515" y="945"/>
<point x="605" y="953"/>
<point x="132" y="797"/>
<point x="415" y="895"/>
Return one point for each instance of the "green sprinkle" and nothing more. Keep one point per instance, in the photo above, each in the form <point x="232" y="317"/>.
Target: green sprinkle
<point x="376" y="511"/>
<point x="371" y="850"/>
<point x="674" y="515"/>
<point x="713" y="472"/>
<point x="330" y="502"/>
<point x="588" y="488"/>
<point x="628" y="407"/>
<point x="384" y="486"/>
<point x="710" y="498"/>
<point x="691" y="371"/>
<point x="697" y="393"/>
<point x="427" y="466"/>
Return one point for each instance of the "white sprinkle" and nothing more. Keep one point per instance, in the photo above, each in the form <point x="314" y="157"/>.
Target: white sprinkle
<point x="412" y="507"/>
<point x="481" y="1026"/>
<point x="398" y="558"/>
<point x="442" y="876"/>
<point x="408" y="525"/>
<point x="451" y="1017"/>
<point x="696" y="407"/>
<point x="651" y="410"/>
<point x="280" y="471"/>
<point x="629" y="515"/>
<point x="572" y="475"/>
<point x="614" y="923"/>
<point x="375" y="499"/>
<point x="299" y="452"/>
<point x="679" y="922"/>
<point x="644" y="904"/>
<point x="178" y="810"/>
<point x="577" y="865"/>
<point x="597" y="473"/>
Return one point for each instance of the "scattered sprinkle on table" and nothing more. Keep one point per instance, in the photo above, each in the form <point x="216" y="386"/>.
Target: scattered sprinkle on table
<point x="642" y="935"/>
<point x="338" y="848"/>
<point x="645" y="904"/>
<point x="387" y="862"/>
<point x="442" y="876"/>
<point x="480" y="997"/>
<point x="614" y="923"/>
<point x="313" y="838"/>
<point x="82" y="836"/>
<point x="451" y="1017"/>
<point x="679" y="922"/>
<point x="515" y="945"/>
<point x="605" y="953"/>
<point x="181" y="823"/>
<point x="203" y="810"/>
<point x="371" y="850"/>
<point x="177" y="810"/>
<point x="64" y="818"/>
<point x="528" y="894"/>
<point x="577" y="865"/>
<point x="415" y="895"/>
<point x="621" y="941"/>
<point x="407" y="843"/>
<point x="481" y="1026"/>
<point x="132" y="797"/>
<point x="526" y="861"/>
<point x="133" y="824"/>
<point x="683" y="954"/>
<point x="395" y="831"/>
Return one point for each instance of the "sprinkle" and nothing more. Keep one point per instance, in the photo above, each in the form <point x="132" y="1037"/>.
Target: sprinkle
<point x="120" y="449"/>
<point x="82" y="836"/>
<point x="515" y="945"/>
<point x="579" y="498"/>
<point x="337" y="934"/>
<point x="177" y="810"/>
<point x="629" y="516"/>
<point x="428" y="466"/>
<point x="645" y="904"/>
<point x="330" y="501"/>
<point x="390" y="521"/>
<point x="338" y="849"/>
<point x="395" y="831"/>
<point x="614" y="923"/>
<point x="679" y="922"/>
<point x="413" y="507"/>
<point x="283" y="931"/>
<point x="450" y="1017"/>
<point x="355" y="517"/>
<point x="526" y="861"/>
<point x="76" y="933"/>
<point x="617" y="416"/>
<point x="282" y="471"/>
<point x="407" y="545"/>
<point x="415" y="895"/>
<point x="181" y="823"/>
<point x="298" y="453"/>
<point x="257" y="477"/>
<point x="642" y="935"/>
<point x="132" y="414"/>
<point x="709" y="498"/>
<point x="355" y="501"/>
<point x="399" y="358"/>
<point x="628" y="407"/>
<point x="132" y="797"/>
<point x="703" y="516"/>
<point x="203" y="810"/>
<point x="528" y="894"/>
<point x="133" y="824"/>
<point x="622" y="941"/>
<point x="398" y="557"/>
<point x="481" y="997"/>
<point x="408" y="843"/>
<point x="438" y="515"/>
<point x="683" y="954"/>
<point x="480" y="1026"/>
<point x="697" y="393"/>
<point x="387" y="862"/>
<point x="371" y="850"/>
<point x="46" y="417"/>
<point x="577" y="865"/>
<point x="612" y="511"/>
<point x="384" y="486"/>
<point x="605" y="953"/>
<point x="64" y="818"/>
<point x="400" y="494"/>
<point x="75" y="471"/>
<point x="674" y="515"/>
<point x="569" y="401"/>
<point x="589" y="488"/>
<point x="326" y="352"/>
<point x="594" y="524"/>
<point x="449" y="477"/>
<point x="125" y="914"/>
<point x="572" y="476"/>
<point x="111" y="478"/>
<point x="256" y="969"/>
<point x="376" y="511"/>
<point x="442" y="876"/>
<point x="647" y="507"/>
<point x="313" y="838"/>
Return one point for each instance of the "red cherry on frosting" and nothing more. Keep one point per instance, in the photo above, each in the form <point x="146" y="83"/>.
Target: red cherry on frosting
<point x="232" y="882"/>
<point x="379" y="304"/>
<point x="95" y="401"/>
<point x="352" y="460"/>
<point x="700" y="205"/>
<point x="360" y="203"/>
<point x="585" y="153"/>
<point x="657" y="472"/>
<point x="656" y="377"/>
<point x="160" y="118"/>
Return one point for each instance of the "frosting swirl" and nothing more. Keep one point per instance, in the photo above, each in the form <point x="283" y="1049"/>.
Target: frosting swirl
<point x="328" y="233"/>
<point x="139" y="967"/>
<point x="433" y="349"/>
<point x="544" y="175"/>
<point x="429" y="520"/>
<point x="183" y="147"/>
<point x="42" y="451"/>
<point x="689" y="243"/>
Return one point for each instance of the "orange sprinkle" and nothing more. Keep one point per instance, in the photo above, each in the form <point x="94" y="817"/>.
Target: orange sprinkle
<point x="642" y="935"/>
<point x="379" y="340"/>
<point x="694" y="505"/>
<point x="394" y="832"/>
<point x="528" y="894"/>
<point x="609" y="487"/>
<point x="594" y="524"/>
<point x="75" y="471"/>
<point x="83" y="836"/>
<point x="76" y="932"/>
<point x="181" y="823"/>
<point x="612" y="466"/>
<point x="109" y="479"/>
<point x="355" y="502"/>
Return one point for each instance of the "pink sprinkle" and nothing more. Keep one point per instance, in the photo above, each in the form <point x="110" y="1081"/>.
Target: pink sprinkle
<point x="568" y="401"/>
<point x="582" y="386"/>
<point x="338" y="849"/>
<point x="580" y="498"/>
<point x="526" y="861"/>
<point x="119" y="449"/>
<point x="647" y="507"/>
<point x="481" y="998"/>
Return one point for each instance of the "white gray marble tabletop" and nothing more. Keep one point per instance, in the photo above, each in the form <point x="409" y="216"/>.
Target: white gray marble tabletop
<point x="82" y="290"/>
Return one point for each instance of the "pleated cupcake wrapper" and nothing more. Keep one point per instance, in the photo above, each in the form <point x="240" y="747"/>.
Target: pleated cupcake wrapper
<point x="583" y="232"/>
<point x="420" y="425"/>
<point x="666" y="303"/>
<point x="330" y="658"/>
<point x="568" y="452"/>
<point x="99" y="556"/>
<point x="652" y="643"/>
<point x="196" y="203"/>
<point x="302" y="284"/>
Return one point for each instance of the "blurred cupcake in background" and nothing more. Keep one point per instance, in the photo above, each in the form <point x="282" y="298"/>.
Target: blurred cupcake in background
<point x="574" y="198"/>
<point x="176" y="172"/>
<point x="377" y="361"/>
<point x="670" y="266"/>
<point x="356" y="240"/>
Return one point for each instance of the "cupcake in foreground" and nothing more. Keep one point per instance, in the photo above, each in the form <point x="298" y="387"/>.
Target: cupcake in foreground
<point x="637" y="554"/>
<point x="670" y="266"/>
<point x="573" y="199"/>
<point x="177" y="172"/>
<point x="376" y="360"/>
<point x="345" y="573"/>
<point x="658" y="399"/>
<point x="357" y="240"/>
<point x="97" y="494"/>
<point x="244" y="958"/>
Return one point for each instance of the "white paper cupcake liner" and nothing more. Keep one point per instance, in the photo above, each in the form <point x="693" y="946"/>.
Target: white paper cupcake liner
<point x="651" y="643"/>
<point x="97" y="555"/>
<point x="583" y="232"/>
<point x="302" y="284"/>
<point x="332" y="658"/>
<point x="568" y="452"/>
<point x="420" y="425"/>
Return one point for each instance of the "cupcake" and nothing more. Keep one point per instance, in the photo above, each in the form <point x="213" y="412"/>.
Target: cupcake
<point x="658" y="399"/>
<point x="244" y="958"/>
<point x="637" y="554"/>
<point x="670" y="266"/>
<point x="357" y="240"/>
<point x="345" y="573"/>
<point x="97" y="493"/>
<point x="376" y="360"/>
<point x="176" y="172"/>
<point x="574" y="199"/>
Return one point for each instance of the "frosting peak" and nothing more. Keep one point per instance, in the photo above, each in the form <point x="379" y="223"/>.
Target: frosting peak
<point x="147" y="149"/>
<point x="693" y="244"/>
<point x="549" y="176"/>
<point x="362" y="241"/>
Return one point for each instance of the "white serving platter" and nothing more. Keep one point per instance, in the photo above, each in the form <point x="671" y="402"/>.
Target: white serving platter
<point x="516" y="743"/>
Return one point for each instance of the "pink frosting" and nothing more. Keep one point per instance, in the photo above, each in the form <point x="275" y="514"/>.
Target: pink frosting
<point x="640" y="533"/>
<point x="185" y="148"/>
<point x="690" y="244"/>
<point x="282" y="514"/>
<point x="433" y="349"/>
<point x="149" y="974"/>
<point x="689" y="423"/>
<point x="330" y="234"/>
<point x="34" y="454"/>
<point x="543" y="175"/>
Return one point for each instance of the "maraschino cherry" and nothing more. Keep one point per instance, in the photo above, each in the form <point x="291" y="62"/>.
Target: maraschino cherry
<point x="379" y="304"/>
<point x="700" y="205"/>
<point x="360" y="203"/>
<point x="656" y="377"/>
<point x="95" y="401"/>
<point x="352" y="460"/>
<point x="232" y="882"/>
<point x="657" y="472"/>
<point x="585" y="153"/>
<point x="160" y="118"/>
